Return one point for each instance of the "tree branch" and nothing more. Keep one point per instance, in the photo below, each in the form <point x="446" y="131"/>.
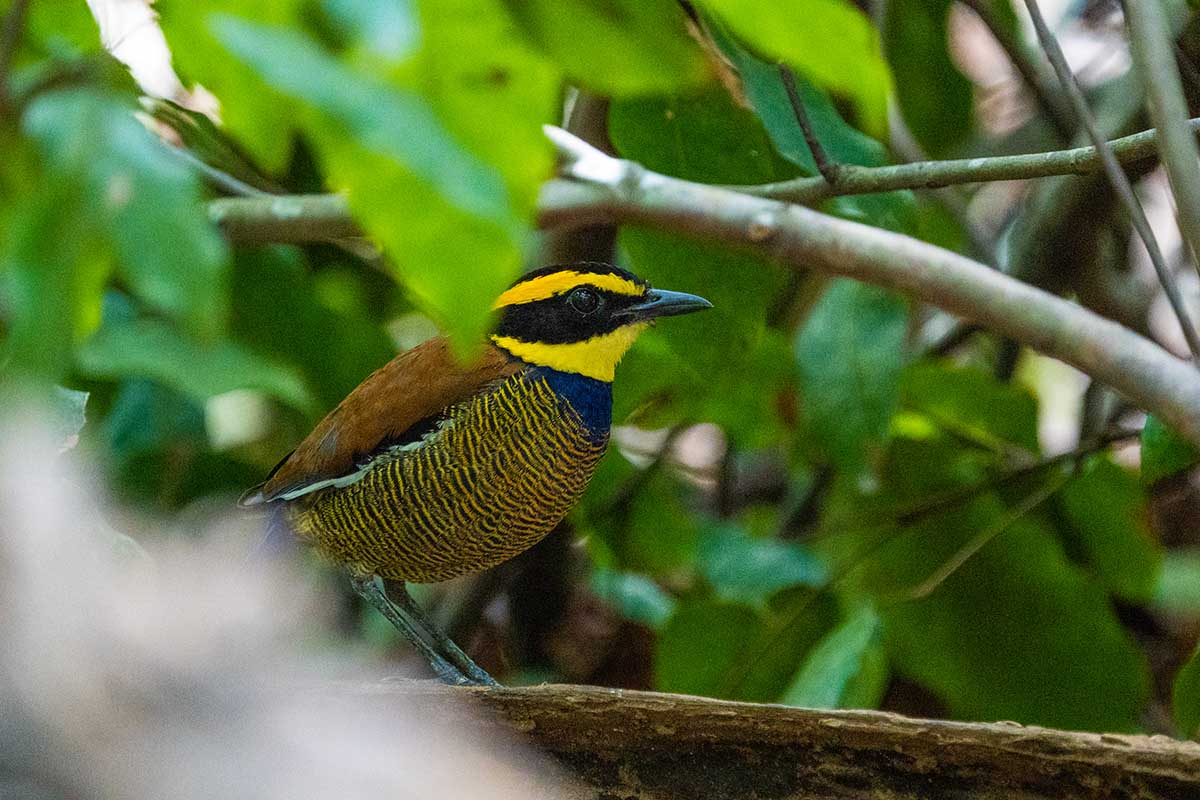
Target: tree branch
<point x="284" y="219"/>
<point x="1154" y="54"/>
<point x="598" y="187"/>
<point x="651" y="746"/>
<point x="328" y="216"/>
<point x="1118" y="179"/>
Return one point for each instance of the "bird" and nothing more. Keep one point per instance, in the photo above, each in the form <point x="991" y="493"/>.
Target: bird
<point x="431" y="469"/>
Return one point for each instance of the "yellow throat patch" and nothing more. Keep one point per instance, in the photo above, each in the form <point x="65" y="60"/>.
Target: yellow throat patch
<point x="596" y="357"/>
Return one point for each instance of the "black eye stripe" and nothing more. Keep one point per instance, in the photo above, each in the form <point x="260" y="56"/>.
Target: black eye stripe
<point x="555" y="320"/>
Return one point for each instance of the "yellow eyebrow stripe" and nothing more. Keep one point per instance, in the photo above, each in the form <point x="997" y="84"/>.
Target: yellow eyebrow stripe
<point x="559" y="282"/>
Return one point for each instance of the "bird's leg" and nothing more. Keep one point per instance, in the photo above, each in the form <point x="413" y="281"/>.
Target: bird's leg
<point x="448" y="649"/>
<point x="368" y="588"/>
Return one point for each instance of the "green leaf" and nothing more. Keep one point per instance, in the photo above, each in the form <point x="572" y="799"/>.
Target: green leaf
<point x="389" y="31"/>
<point x="1164" y="452"/>
<point x="491" y="90"/>
<point x="844" y="654"/>
<point x="443" y="215"/>
<point x="1106" y="508"/>
<point x="1186" y="697"/>
<point x="147" y="203"/>
<point x="802" y="33"/>
<point x="334" y="350"/>
<point x="849" y="355"/>
<point x="971" y="403"/>
<point x="1016" y="633"/>
<point x="935" y="98"/>
<point x="701" y="645"/>
<point x="616" y="47"/>
<point x="258" y="115"/>
<point x="749" y="570"/>
<point x="151" y="349"/>
<point x="386" y="120"/>
<point x="704" y="137"/>
<point x="634" y="596"/>
<point x="53" y="265"/>
<point x="765" y="90"/>
<point x="842" y="143"/>
<point x="722" y="650"/>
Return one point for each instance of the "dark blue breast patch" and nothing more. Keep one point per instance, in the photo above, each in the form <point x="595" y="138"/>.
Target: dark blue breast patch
<point x="591" y="399"/>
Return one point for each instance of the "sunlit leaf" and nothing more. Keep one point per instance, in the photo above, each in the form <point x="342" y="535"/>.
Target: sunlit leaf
<point x="384" y="119"/>
<point x="145" y="202"/>
<point x="803" y="33"/>
<point x="616" y="47"/>
<point x="259" y="115"/>
<point x="442" y="214"/>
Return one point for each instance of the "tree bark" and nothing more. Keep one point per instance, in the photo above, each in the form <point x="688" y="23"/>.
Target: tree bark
<point x="650" y="746"/>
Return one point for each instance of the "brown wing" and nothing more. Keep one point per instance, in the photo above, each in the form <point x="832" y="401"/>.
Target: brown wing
<point x="412" y="387"/>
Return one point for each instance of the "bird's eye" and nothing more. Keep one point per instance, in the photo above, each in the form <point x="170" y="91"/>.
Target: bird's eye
<point x="585" y="301"/>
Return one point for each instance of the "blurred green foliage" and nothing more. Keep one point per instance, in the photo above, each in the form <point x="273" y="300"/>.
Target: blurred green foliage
<point x="915" y="535"/>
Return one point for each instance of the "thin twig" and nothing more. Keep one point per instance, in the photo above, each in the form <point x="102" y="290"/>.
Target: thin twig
<point x="853" y="179"/>
<point x="1116" y="176"/>
<point x="1151" y="42"/>
<point x="827" y="167"/>
<point x="1051" y="102"/>
<point x="981" y="539"/>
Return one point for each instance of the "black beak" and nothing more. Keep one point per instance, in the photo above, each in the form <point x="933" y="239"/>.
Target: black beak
<point x="661" y="303"/>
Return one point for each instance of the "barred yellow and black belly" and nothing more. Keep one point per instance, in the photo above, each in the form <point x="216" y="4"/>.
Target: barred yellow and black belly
<point x="495" y="479"/>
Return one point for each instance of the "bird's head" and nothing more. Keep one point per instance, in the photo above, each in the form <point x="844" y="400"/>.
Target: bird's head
<point x="582" y="318"/>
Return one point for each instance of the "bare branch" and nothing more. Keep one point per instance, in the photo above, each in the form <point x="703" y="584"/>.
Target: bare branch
<point x="1154" y="55"/>
<point x="597" y="187"/>
<point x="934" y="174"/>
<point x="1118" y="179"/>
<point x="825" y="166"/>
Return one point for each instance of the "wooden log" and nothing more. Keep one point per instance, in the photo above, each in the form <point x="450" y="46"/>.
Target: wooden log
<point x="624" y="745"/>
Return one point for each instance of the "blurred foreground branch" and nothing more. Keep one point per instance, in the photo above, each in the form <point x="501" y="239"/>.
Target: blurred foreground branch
<point x="649" y="745"/>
